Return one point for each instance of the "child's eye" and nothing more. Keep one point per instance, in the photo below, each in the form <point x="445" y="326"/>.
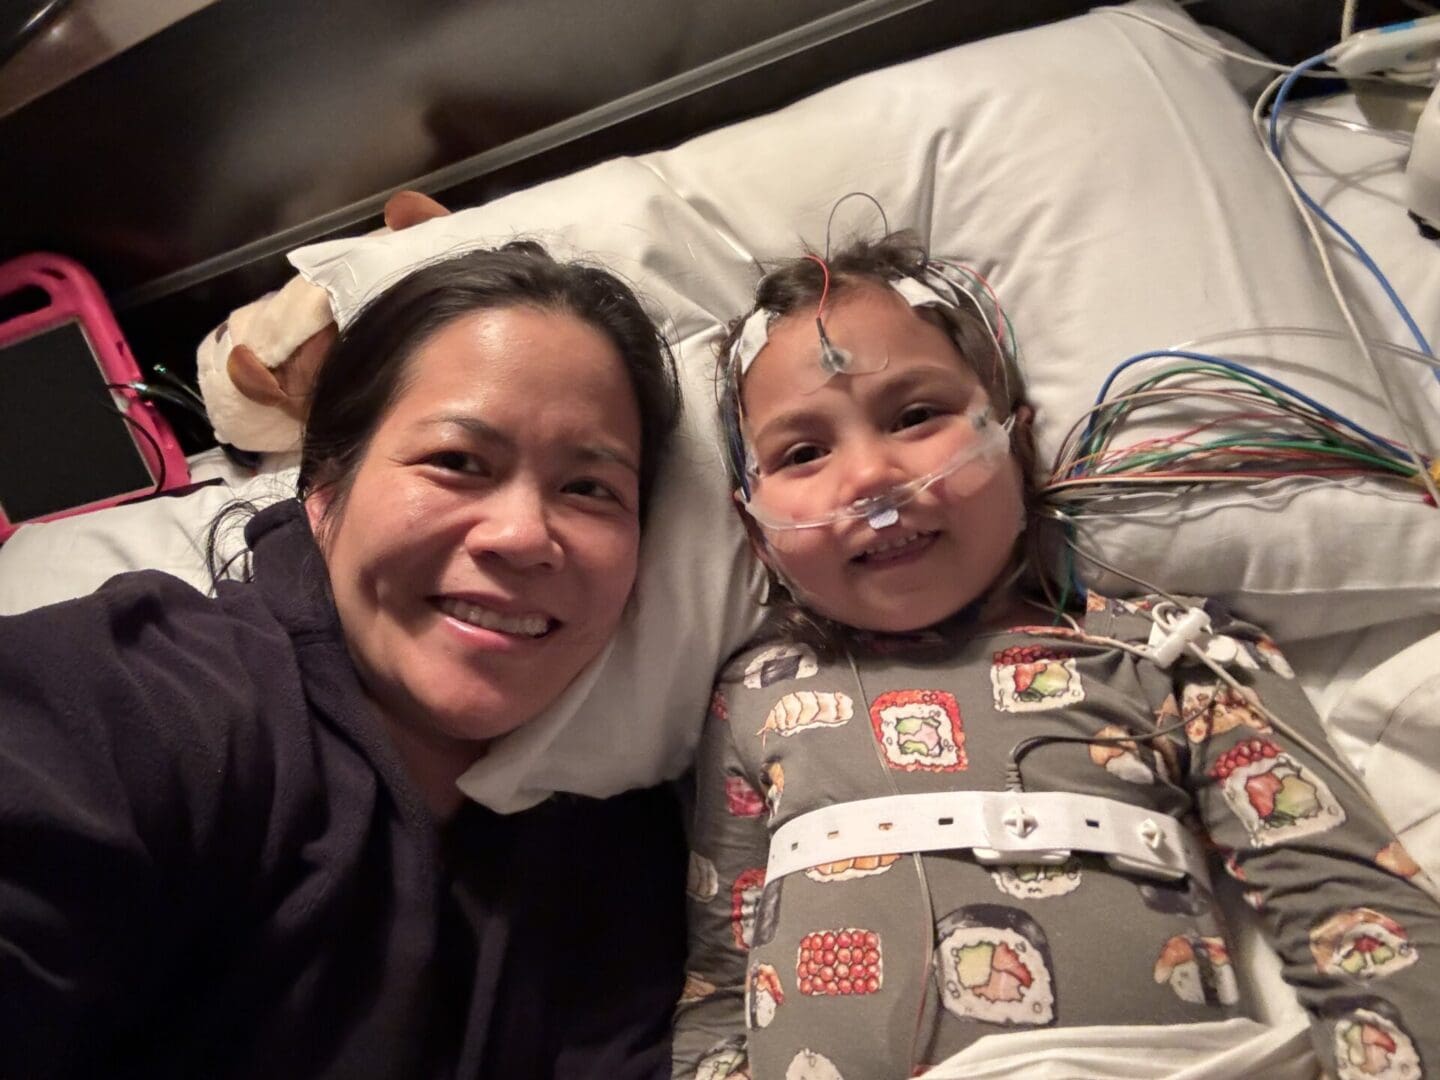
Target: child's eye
<point x="800" y="455"/>
<point x="915" y="415"/>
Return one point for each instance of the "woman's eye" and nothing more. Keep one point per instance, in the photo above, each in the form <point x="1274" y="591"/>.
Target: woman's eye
<point x="800" y="455"/>
<point x="592" y="489"/>
<point x="457" y="461"/>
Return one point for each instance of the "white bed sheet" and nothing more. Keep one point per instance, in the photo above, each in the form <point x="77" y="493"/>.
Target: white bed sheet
<point x="1378" y="689"/>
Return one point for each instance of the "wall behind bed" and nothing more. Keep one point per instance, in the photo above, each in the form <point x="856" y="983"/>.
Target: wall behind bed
<point x="182" y="168"/>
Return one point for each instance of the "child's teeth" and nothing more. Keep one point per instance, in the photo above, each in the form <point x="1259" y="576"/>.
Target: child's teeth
<point x="527" y="625"/>
<point x="881" y="548"/>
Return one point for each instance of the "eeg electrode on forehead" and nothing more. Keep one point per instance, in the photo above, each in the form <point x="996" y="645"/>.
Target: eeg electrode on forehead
<point x="961" y="298"/>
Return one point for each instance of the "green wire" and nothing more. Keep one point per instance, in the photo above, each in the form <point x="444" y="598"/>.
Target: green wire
<point x="1140" y="461"/>
<point x="1124" y="405"/>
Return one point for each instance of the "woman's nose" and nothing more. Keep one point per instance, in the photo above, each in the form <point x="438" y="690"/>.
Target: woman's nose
<point x="513" y="523"/>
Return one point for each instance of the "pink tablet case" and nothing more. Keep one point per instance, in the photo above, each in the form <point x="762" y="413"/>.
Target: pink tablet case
<point x="75" y="298"/>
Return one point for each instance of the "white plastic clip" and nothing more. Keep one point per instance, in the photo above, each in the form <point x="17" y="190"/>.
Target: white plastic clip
<point x="1150" y="834"/>
<point x="1019" y="822"/>
<point x="1178" y="633"/>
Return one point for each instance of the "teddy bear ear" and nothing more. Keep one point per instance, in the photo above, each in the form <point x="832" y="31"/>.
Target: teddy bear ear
<point x="252" y="378"/>
<point x="406" y="208"/>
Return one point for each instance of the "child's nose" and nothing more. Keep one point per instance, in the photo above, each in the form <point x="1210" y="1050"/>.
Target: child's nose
<point x="513" y="524"/>
<point x="872" y="468"/>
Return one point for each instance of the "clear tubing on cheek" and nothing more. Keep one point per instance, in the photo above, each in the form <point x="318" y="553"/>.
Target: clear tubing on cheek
<point x="883" y="511"/>
<point x="955" y="465"/>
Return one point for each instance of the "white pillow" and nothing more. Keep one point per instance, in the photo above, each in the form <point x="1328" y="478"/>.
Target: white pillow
<point x="51" y="561"/>
<point x="1104" y="177"/>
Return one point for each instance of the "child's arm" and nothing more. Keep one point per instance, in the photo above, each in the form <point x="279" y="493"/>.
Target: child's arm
<point x="729" y="847"/>
<point x="1340" y="900"/>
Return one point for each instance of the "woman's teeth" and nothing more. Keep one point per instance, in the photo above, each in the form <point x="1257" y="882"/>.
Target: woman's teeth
<point x="524" y="625"/>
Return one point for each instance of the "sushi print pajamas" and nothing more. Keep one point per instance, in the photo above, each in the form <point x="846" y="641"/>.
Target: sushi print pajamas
<point x="856" y="969"/>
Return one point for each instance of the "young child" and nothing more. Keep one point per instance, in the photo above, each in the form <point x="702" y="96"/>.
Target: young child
<point x="880" y="448"/>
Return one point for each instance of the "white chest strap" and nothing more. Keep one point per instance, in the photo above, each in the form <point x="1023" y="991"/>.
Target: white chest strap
<point x="996" y="826"/>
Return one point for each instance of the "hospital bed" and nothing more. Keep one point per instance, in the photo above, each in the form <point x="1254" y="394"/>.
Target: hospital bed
<point x="1102" y="172"/>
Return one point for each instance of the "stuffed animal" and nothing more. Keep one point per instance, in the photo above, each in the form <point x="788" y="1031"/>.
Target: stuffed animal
<point x="256" y="368"/>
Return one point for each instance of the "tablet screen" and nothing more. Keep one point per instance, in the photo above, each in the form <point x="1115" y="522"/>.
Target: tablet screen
<point x="63" y="443"/>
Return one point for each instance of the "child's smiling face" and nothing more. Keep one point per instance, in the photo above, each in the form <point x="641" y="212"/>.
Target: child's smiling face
<point x="858" y="436"/>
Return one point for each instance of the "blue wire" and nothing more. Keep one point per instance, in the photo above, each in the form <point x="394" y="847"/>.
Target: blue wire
<point x="1384" y="444"/>
<point x="1355" y="246"/>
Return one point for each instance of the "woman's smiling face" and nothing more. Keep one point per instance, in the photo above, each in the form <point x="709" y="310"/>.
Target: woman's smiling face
<point x="859" y="436"/>
<point x="485" y="551"/>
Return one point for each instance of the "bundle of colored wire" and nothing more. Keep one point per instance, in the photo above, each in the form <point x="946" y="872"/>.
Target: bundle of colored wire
<point x="1241" y="427"/>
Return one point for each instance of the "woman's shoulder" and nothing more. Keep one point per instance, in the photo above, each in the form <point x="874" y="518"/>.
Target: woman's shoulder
<point x="142" y="611"/>
<point x="146" y="653"/>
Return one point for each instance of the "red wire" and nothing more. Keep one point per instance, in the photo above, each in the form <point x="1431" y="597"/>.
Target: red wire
<point x="999" y="311"/>
<point x="825" y="292"/>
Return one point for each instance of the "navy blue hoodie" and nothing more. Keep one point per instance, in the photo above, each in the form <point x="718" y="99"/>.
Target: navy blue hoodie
<point x="212" y="863"/>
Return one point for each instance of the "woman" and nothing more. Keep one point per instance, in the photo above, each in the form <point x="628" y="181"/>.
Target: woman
<point x="232" y="841"/>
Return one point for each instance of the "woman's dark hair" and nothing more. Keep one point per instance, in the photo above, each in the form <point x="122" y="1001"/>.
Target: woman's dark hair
<point x="365" y="369"/>
<point x="796" y="285"/>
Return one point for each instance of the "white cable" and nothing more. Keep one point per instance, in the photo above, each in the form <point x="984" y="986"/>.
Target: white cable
<point x="1197" y="344"/>
<point x="1148" y="586"/>
<point x="1347" y="19"/>
<point x="1334" y="763"/>
<point x="1292" y="188"/>
<point x="1199" y="41"/>
<point x="1401" y="137"/>
<point x="1285" y="729"/>
<point x="1208" y="45"/>
<point x="1292" y="487"/>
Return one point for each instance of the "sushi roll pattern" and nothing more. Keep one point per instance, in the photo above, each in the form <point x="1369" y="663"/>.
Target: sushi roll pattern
<point x="1274" y="658"/>
<point x="844" y="962"/>
<point x="995" y="966"/>
<point x="1198" y="969"/>
<point x="779" y="663"/>
<point x="1275" y="797"/>
<point x="848" y="869"/>
<point x="1370" y="1042"/>
<point x="767" y="915"/>
<point x="807" y="709"/>
<point x="920" y="730"/>
<point x="1120" y="759"/>
<point x="808" y="1065"/>
<point x="724" y="1061"/>
<point x="744" y="903"/>
<point x="1033" y="678"/>
<point x="772" y="778"/>
<point x="1035" y="881"/>
<point x="763" y="995"/>
<point x="696" y="988"/>
<point x="1397" y="860"/>
<point x="1361" y="943"/>
<point x="742" y="800"/>
<point x="1214" y="712"/>
<point x="701" y="880"/>
<point x="1183" y="897"/>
